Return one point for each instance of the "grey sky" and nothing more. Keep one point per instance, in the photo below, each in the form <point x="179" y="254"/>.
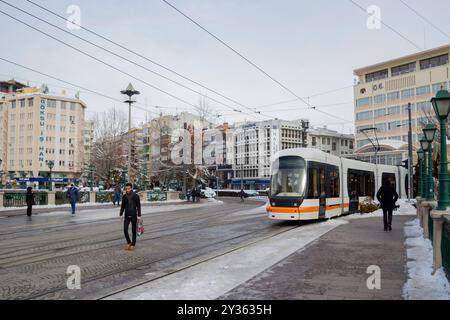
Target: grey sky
<point x="310" y="46"/>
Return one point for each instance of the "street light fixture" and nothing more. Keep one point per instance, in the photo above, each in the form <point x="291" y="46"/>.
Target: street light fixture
<point x="130" y="92"/>
<point x="50" y="165"/>
<point x="425" y="144"/>
<point x="420" y="155"/>
<point x="429" y="133"/>
<point x="441" y="106"/>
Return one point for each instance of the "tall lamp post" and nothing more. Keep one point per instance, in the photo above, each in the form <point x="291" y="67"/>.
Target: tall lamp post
<point x="130" y="92"/>
<point x="441" y="106"/>
<point x="429" y="133"/>
<point x="50" y="165"/>
<point x="424" y="144"/>
<point x="420" y="155"/>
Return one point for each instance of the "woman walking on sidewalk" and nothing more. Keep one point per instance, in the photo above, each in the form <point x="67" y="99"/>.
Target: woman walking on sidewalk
<point x="30" y="201"/>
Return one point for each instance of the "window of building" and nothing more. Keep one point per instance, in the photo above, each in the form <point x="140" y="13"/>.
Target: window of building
<point x="51" y="103"/>
<point x="364" y="115"/>
<point x="394" y="110"/>
<point x="393" y="96"/>
<point x="334" y="147"/>
<point x="420" y="91"/>
<point x="433" y="62"/>
<point x="408" y="93"/>
<point x="30" y="102"/>
<point x="363" y="102"/>
<point x="379" y="98"/>
<point x="394" y="125"/>
<point x="381" y="127"/>
<point x="403" y="69"/>
<point x="314" y="141"/>
<point x="405" y="108"/>
<point x="13" y="104"/>
<point x="424" y="106"/>
<point x="378" y="75"/>
<point x="379" y="113"/>
<point x="22" y="103"/>
<point x="438" y="86"/>
<point x="72" y="106"/>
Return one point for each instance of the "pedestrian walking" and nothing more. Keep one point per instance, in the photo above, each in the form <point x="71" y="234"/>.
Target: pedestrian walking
<point x="131" y="206"/>
<point x="193" y="194"/>
<point x="387" y="196"/>
<point x="30" y="201"/>
<point x="242" y="195"/>
<point x="117" y="195"/>
<point x="72" y="195"/>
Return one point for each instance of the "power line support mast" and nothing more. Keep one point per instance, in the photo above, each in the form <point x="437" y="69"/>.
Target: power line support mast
<point x="130" y="92"/>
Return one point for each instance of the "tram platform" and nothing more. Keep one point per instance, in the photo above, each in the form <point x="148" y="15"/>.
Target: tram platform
<point x="335" y="266"/>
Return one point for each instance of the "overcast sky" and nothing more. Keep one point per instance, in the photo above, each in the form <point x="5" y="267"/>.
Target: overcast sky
<point x="309" y="46"/>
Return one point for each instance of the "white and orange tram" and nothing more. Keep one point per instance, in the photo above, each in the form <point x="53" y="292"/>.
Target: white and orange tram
<point x="309" y="184"/>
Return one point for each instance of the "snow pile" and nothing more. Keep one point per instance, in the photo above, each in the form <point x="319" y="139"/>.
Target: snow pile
<point x="422" y="284"/>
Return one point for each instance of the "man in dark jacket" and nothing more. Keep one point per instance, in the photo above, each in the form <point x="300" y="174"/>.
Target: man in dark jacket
<point x="72" y="195"/>
<point x="387" y="196"/>
<point x="30" y="200"/>
<point x="131" y="205"/>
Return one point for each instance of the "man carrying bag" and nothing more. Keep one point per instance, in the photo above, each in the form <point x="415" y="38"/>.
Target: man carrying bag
<point x="131" y="205"/>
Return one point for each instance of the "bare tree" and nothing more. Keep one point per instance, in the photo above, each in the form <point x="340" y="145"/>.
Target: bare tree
<point x="108" y="151"/>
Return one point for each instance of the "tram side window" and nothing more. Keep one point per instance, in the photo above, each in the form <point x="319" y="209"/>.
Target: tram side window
<point x="313" y="184"/>
<point x="360" y="183"/>
<point x="333" y="190"/>
<point x="323" y="179"/>
<point x="388" y="177"/>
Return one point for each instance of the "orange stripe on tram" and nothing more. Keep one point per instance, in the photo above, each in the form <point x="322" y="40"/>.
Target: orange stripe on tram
<point x="305" y="209"/>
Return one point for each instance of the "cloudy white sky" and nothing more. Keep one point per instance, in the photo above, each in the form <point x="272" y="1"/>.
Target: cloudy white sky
<point x="310" y="46"/>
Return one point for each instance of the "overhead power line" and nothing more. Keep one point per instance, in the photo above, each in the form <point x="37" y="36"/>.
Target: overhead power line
<point x="280" y="84"/>
<point x="142" y="56"/>
<point x="387" y="25"/>
<point x="425" y="19"/>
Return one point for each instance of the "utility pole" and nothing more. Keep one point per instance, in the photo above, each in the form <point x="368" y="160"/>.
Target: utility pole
<point x="130" y="92"/>
<point x="410" y="155"/>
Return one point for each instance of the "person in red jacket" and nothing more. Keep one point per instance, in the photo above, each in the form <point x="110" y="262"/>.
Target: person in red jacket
<point x="131" y="206"/>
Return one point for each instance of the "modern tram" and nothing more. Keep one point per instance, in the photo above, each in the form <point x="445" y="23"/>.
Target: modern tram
<point x="309" y="184"/>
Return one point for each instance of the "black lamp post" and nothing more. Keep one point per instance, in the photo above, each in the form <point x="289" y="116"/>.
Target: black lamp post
<point x="130" y="92"/>
<point x="50" y="165"/>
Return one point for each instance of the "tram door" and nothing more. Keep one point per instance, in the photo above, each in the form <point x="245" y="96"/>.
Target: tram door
<point x="322" y="197"/>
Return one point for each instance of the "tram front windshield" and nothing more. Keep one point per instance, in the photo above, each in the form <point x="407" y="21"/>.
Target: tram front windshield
<point x="288" y="177"/>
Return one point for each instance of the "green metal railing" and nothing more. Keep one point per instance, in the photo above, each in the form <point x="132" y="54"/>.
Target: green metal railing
<point x="156" y="196"/>
<point x="104" y="196"/>
<point x="61" y="197"/>
<point x="18" y="199"/>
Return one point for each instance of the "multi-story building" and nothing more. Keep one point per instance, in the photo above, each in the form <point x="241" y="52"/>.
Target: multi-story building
<point x="160" y="135"/>
<point x="256" y="143"/>
<point x="384" y="90"/>
<point x="38" y="128"/>
<point x="331" y="141"/>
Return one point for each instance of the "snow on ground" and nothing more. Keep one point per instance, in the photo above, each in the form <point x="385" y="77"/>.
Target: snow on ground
<point x="422" y="284"/>
<point x="212" y="279"/>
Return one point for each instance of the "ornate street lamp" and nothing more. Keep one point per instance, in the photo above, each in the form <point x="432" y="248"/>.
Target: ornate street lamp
<point x="441" y="106"/>
<point x="425" y="144"/>
<point x="420" y="155"/>
<point x="429" y="133"/>
<point x="50" y="165"/>
<point x="130" y="92"/>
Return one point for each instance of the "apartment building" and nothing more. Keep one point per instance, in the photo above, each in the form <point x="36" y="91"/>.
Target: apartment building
<point x="331" y="141"/>
<point x="38" y="127"/>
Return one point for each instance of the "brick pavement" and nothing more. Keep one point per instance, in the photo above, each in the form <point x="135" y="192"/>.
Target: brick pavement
<point x="334" y="267"/>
